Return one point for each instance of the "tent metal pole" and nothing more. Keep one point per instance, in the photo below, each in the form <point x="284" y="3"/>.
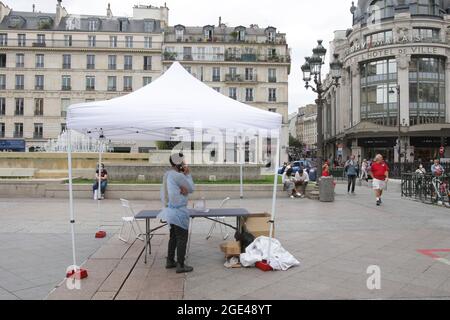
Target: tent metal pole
<point x="241" y="169"/>
<point x="71" y="209"/>
<point x="274" y="196"/>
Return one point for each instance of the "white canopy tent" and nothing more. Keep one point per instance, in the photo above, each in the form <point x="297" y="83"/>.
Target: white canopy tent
<point x="176" y="100"/>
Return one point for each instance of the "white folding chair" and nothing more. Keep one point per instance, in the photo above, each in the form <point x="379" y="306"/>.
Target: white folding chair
<point x="220" y="221"/>
<point x="129" y="220"/>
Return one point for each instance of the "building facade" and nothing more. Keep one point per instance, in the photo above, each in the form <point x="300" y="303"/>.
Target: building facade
<point x="49" y="61"/>
<point x="395" y="87"/>
<point x="307" y="127"/>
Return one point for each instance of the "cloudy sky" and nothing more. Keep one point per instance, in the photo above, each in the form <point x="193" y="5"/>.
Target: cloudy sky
<point x="304" y="21"/>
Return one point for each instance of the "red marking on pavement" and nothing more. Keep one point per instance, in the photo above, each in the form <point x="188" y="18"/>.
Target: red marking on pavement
<point x="431" y="252"/>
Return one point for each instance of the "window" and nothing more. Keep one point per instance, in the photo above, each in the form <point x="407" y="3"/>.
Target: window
<point x="201" y="53"/>
<point x="67" y="40"/>
<point x="209" y="33"/>
<point x="19" y="107"/>
<point x="3" y="39"/>
<point x="378" y="104"/>
<point x="426" y="7"/>
<point x="216" y="74"/>
<point x="232" y="93"/>
<point x="38" y="131"/>
<point x="272" y="95"/>
<point x="112" y="65"/>
<point x="380" y="9"/>
<point x="129" y="41"/>
<point x="379" y="38"/>
<point x="217" y="54"/>
<point x="91" y="41"/>
<point x="65" y="103"/>
<point x="2" y="106"/>
<point x="248" y="74"/>
<point x="249" y="94"/>
<point x="20" y="80"/>
<point x="128" y="63"/>
<point x="271" y="35"/>
<point x="148" y="41"/>
<point x="123" y="25"/>
<point x="90" y="63"/>
<point x="127" y="83"/>
<point x="93" y="25"/>
<point x="2" y="130"/>
<point x="427" y="103"/>
<point x="67" y="61"/>
<point x="39" y="107"/>
<point x="217" y="89"/>
<point x="272" y="75"/>
<point x="39" y="82"/>
<point x="241" y="34"/>
<point x="41" y="39"/>
<point x="2" y="81"/>
<point x="21" y="40"/>
<point x="18" y="130"/>
<point x="113" y="41"/>
<point x="20" y="58"/>
<point x="146" y="80"/>
<point x="147" y="63"/>
<point x="2" y="60"/>
<point x="149" y="26"/>
<point x="179" y="34"/>
<point x="90" y="83"/>
<point x="112" y="83"/>
<point x="66" y="83"/>
<point x="39" y="61"/>
<point x="427" y="34"/>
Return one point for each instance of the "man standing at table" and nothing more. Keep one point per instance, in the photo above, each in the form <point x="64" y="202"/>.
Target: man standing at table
<point x="177" y="185"/>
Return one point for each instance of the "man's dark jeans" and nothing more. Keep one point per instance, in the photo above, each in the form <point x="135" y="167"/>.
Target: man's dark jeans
<point x="178" y="241"/>
<point x="351" y="183"/>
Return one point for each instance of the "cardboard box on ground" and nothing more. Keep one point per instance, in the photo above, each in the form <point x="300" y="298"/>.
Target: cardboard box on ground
<point x="258" y="225"/>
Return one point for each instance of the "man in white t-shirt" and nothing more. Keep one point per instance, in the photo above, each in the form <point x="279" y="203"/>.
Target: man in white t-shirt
<point x="301" y="181"/>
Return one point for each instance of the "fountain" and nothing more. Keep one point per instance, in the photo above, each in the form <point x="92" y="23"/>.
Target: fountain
<point x="80" y="143"/>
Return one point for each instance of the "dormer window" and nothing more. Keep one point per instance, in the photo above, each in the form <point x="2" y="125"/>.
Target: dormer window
<point x="123" y="25"/>
<point x="208" y="32"/>
<point x="45" y="23"/>
<point x="93" y="25"/>
<point x="240" y="33"/>
<point x="16" y="22"/>
<point x="179" y="32"/>
<point x="73" y="23"/>
<point x="149" y="26"/>
<point x="271" y="34"/>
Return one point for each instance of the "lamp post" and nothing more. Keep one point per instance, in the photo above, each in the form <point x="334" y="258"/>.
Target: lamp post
<point x="392" y="91"/>
<point x="312" y="70"/>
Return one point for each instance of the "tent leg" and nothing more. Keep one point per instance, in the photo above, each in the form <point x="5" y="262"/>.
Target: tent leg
<point x="241" y="170"/>
<point x="274" y="196"/>
<point x="100" y="233"/>
<point x="73" y="270"/>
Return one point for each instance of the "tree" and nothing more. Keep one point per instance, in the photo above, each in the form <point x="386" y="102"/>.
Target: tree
<point x="296" y="148"/>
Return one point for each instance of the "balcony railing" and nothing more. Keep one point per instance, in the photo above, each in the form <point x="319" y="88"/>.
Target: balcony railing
<point x="112" y="66"/>
<point x="38" y="87"/>
<point x="66" y="88"/>
<point x="147" y="67"/>
<point x="39" y="44"/>
<point x="112" y="89"/>
<point x="66" y="65"/>
<point x="18" y="135"/>
<point x="272" y="79"/>
<point x="228" y="57"/>
<point x="90" y="88"/>
<point x="240" y="78"/>
<point x="90" y="66"/>
<point x="196" y="38"/>
<point x="20" y="65"/>
<point x="127" y="89"/>
<point x="38" y="113"/>
<point x="128" y="67"/>
<point x="2" y="87"/>
<point x="38" y="136"/>
<point x="19" y="87"/>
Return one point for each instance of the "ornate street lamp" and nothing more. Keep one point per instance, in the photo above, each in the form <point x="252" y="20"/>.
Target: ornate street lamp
<point x="312" y="70"/>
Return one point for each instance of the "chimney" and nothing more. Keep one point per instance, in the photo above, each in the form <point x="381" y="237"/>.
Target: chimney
<point x="34" y="8"/>
<point x="4" y="11"/>
<point x="109" y="13"/>
<point x="220" y="21"/>
<point x="60" y="13"/>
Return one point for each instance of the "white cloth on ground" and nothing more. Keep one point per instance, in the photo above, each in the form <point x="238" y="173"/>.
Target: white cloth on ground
<point x="258" y="250"/>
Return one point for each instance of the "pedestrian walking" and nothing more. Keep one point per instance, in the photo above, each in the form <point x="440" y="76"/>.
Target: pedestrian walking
<point x="364" y="170"/>
<point x="380" y="173"/>
<point x="351" y="168"/>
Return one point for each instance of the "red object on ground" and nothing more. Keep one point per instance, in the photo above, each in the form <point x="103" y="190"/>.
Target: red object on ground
<point x="79" y="274"/>
<point x="100" y="234"/>
<point x="264" y="266"/>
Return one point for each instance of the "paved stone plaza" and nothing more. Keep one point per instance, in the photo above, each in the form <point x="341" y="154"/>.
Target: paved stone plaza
<point x="335" y="243"/>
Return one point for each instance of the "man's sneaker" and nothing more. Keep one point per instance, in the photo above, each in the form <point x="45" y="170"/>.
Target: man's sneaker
<point x="171" y="264"/>
<point x="292" y="197"/>
<point x="184" y="268"/>
<point x="378" y="202"/>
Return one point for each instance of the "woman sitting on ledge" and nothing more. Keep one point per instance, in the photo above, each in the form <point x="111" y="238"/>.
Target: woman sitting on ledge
<point x="103" y="183"/>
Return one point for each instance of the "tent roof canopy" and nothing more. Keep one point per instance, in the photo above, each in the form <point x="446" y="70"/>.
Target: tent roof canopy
<point x="176" y="100"/>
